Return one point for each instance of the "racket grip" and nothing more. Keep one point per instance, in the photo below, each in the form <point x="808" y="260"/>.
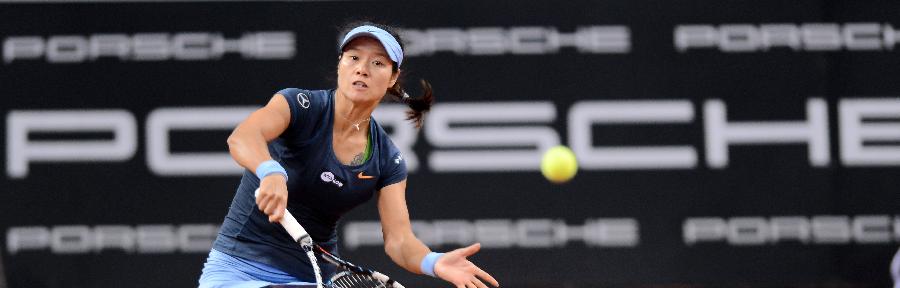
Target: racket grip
<point x="291" y="225"/>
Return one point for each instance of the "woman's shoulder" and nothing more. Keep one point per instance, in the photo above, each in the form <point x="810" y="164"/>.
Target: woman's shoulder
<point x="292" y="91"/>
<point x="390" y="159"/>
<point x="306" y="97"/>
<point x="385" y="144"/>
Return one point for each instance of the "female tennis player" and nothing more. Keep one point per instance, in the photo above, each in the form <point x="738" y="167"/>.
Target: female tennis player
<point x="319" y="153"/>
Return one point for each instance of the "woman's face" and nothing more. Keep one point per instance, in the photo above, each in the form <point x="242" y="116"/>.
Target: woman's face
<point x="364" y="70"/>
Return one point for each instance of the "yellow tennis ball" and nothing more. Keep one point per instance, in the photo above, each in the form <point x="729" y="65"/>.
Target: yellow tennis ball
<point x="559" y="165"/>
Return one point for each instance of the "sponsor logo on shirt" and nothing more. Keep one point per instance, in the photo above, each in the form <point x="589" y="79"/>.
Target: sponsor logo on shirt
<point x="303" y="100"/>
<point x="329" y="177"/>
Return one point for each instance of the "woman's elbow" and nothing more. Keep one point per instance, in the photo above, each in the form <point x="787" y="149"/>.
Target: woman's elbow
<point x="237" y="144"/>
<point x="233" y="141"/>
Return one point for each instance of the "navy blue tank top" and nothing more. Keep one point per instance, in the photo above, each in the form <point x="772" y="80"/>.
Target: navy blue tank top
<point x="320" y="188"/>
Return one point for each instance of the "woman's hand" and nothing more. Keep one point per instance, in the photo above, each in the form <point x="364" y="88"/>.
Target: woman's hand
<point x="455" y="268"/>
<point x="273" y="195"/>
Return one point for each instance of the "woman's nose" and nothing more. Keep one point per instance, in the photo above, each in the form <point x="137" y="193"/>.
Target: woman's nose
<point x="361" y="69"/>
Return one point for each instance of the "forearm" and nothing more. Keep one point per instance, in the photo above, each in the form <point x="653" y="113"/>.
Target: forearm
<point x="407" y="252"/>
<point x="248" y="145"/>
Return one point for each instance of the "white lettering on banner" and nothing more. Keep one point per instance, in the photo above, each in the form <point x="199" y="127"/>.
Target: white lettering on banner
<point x="443" y="132"/>
<point x="584" y="115"/>
<point x="742" y="38"/>
<point x="21" y="151"/>
<point x="505" y="233"/>
<point x="855" y="132"/>
<point x="483" y="136"/>
<point x="184" y="46"/>
<point x="515" y="40"/>
<point x="720" y="133"/>
<point x="822" y="229"/>
<point x="141" y="239"/>
<point x="161" y="121"/>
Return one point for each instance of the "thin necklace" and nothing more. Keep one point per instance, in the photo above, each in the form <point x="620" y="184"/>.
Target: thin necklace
<point x="357" y="123"/>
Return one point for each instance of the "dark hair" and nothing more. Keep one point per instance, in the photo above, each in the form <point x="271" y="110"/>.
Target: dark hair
<point x="417" y="105"/>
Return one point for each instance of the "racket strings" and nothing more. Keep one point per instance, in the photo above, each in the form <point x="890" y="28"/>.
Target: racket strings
<point x="349" y="279"/>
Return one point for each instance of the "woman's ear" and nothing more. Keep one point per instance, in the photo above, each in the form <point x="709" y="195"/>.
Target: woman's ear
<point x="394" y="78"/>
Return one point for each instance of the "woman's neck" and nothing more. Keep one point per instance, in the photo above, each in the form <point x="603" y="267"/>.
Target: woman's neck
<point x="351" y="117"/>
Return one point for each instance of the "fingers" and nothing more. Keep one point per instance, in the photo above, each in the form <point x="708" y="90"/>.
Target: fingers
<point x="487" y="277"/>
<point x="275" y="209"/>
<point x="270" y="206"/>
<point x="279" y="211"/>
<point x="259" y="200"/>
<point x="478" y="283"/>
<point x="472" y="249"/>
<point x="272" y="202"/>
<point x="471" y="285"/>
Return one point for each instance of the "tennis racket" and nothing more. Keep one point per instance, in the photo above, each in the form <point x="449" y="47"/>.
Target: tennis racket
<point x="348" y="275"/>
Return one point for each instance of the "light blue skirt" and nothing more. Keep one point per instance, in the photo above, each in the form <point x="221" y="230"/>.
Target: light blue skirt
<point x="225" y="271"/>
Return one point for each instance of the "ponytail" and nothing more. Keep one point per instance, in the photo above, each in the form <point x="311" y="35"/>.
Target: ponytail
<point x="417" y="105"/>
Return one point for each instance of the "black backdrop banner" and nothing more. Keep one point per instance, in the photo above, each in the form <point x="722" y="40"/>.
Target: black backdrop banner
<point x="720" y="143"/>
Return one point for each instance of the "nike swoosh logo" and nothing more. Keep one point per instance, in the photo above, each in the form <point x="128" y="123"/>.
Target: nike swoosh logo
<point x="361" y="176"/>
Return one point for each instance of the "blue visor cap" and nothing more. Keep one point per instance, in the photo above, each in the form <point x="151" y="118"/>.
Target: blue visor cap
<point x="389" y="42"/>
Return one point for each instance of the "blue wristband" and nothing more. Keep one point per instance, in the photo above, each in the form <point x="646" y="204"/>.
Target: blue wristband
<point x="427" y="265"/>
<point x="269" y="167"/>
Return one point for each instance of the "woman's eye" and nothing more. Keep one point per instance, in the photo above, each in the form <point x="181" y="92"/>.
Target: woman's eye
<point x="377" y="63"/>
<point x="354" y="58"/>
